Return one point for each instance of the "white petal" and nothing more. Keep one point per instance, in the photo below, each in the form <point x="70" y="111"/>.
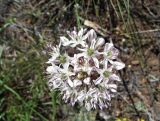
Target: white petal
<point x="81" y="49"/>
<point x="107" y="95"/>
<point x="100" y="42"/>
<point x="93" y="43"/>
<point x="101" y="104"/>
<point x="117" y="65"/>
<point x="108" y="46"/>
<point x="77" y="82"/>
<point x="52" y="59"/>
<point x="112" y="86"/>
<point x="63" y="39"/>
<point x="91" y="35"/>
<point x="113" y="90"/>
<point x="88" y="106"/>
<point x="96" y="62"/>
<point x="60" y="43"/>
<point x="84" y="37"/>
<point x="83" y="43"/>
<point x="80" y="33"/>
<point x="56" y="84"/>
<point x="114" y="52"/>
<point x="114" y="77"/>
<point x="66" y="65"/>
<point x="81" y="96"/>
<point x="105" y="62"/>
<point x="73" y="44"/>
<point x="87" y="80"/>
<point x="105" y="82"/>
<point x="91" y="91"/>
<point x="70" y="83"/>
<point x="72" y="102"/>
<point x="72" y="35"/>
<point x="51" y="69"/>
<point x="98" y="80"/>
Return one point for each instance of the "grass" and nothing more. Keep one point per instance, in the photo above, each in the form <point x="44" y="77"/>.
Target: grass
<point x="27" y="67"/>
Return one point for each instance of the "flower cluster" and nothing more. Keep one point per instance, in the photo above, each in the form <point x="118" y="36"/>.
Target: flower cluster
<point x="83" y="68"/>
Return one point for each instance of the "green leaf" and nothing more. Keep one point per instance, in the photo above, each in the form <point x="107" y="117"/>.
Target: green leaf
<point x="1" y="50"/>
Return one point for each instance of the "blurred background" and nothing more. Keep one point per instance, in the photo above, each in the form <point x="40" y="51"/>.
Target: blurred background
<point x="28" y="26"/>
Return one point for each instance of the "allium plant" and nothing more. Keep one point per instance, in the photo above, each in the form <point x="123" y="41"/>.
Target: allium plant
<point x="83" y="68"/>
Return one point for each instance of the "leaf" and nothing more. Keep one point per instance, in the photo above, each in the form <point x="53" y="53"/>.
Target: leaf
<point x="1" y="50"/>
<point x="96" y="27"/>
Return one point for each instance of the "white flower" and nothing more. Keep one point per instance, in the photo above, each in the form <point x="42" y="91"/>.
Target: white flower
<point x="80" y="63"/>
<point x="94" y="42"/>
<point x="110" y="53"/>
<point x="106" y="74"/>
<point x="54" y="54"/>
<point x="89" y="76"/>
<point x="52" y="69"/>
<point x="91" y="51"/>
<point x="86" y="97"/>
<point x="69" y="95"/>
<point x="55" y="82"/>
<point x="76" y="39"/>
<point x="57" y="58"/>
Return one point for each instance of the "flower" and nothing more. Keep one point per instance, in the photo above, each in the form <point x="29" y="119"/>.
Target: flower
<point x="106" y="76"/>
<point x="55" y="54"/>
<point x="91" y="51"/>
<point x="76" y="38"/>
<point x="89" y="76"/>
<point x="80" y="63"/>
<point x="110" y="53"/>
